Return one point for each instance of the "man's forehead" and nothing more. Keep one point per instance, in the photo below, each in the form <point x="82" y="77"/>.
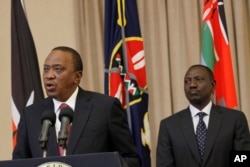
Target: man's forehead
<point x="196" y="71"/>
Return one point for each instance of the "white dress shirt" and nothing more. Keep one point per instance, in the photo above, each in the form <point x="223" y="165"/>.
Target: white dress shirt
<point x="195" y="117"/>
<point x="70" y="102"/>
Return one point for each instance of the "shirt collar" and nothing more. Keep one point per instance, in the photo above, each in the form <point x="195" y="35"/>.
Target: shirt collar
<point x="70" y="102"/>
<point x="206" y="109"/>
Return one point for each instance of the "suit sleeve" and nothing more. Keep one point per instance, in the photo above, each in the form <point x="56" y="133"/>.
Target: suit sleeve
<point x="120" y="135"/>
<point x="21" y="149"/>
<point x="164" y="151"/>
<point x="242" y="135"/>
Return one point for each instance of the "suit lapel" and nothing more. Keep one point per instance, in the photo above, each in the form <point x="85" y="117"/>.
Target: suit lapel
<point x="213" y="129"/>
<point x="81" y="115"/>
<point x="188" y="131"/>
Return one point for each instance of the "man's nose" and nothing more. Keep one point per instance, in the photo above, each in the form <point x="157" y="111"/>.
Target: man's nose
<point x="193" y="83"/>
<point x="50" y="74"/>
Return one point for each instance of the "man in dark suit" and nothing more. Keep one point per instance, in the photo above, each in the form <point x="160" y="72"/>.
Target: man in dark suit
<point x="99" y="123"/>
<point x="224" y="129"/>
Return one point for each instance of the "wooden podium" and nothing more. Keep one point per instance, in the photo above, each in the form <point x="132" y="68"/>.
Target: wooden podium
<point x="107" y="159"/>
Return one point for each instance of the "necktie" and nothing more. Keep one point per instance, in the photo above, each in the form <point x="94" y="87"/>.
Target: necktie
<point x="201" y="132"/>
<point x="63" y="105"/>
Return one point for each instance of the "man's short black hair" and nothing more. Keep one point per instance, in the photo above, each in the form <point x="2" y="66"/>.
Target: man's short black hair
<point x="77" y="60"/>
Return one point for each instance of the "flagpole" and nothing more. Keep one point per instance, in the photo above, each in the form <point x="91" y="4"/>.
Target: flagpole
<point x="122" y="23"/>
<point x="24" y="8"/>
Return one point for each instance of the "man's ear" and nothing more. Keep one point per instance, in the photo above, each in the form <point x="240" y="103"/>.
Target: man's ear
<point x="213" y="83"/>
<point x="78" y="77"/>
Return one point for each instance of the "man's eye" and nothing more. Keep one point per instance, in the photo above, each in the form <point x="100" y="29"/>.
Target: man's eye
<point x="58" y="69"/>
<point x="199" y="79"/>
<point x="45" y="69"/>
<point x="187" y="81"/>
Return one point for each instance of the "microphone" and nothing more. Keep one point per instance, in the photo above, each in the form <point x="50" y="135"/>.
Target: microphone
<point x="66" y="117"/>
<point x="48" y="120"/>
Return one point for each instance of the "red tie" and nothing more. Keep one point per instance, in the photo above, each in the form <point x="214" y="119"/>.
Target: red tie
<point x="63" y="105"/>
<point x="60" y="149"/>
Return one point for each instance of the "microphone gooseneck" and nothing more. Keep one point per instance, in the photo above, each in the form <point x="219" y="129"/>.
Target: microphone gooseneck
<point x="66" y="117"/>
<point x="48" y="120"/>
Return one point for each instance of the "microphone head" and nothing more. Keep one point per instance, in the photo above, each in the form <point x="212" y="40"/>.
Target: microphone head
<point x="66" y="112"/>
<point x="49" y="115"/>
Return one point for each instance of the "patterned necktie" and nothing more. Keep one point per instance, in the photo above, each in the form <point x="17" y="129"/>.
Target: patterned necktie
<point x="201" y="132"/>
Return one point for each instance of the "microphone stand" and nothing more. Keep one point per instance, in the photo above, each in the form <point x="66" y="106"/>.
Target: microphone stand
<point x="48" y="120"/>
<point x="62" y="143"/>
<point x="43" y="145"/>
<point x="44" y="153"/>
<point x="65" y="116"/>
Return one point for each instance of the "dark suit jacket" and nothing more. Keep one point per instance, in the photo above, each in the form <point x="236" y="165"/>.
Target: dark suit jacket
<point x="227" y="130"/>
<point x="99" y="125"/>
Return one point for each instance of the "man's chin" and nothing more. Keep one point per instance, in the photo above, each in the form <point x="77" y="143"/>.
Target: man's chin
<point x="195" y="101"/>
<point x="51" y="94"/>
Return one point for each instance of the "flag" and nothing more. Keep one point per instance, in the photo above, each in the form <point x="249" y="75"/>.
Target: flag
<point x="216" y="52"/>
<point x="125" y="70"/>
<point x="25" y="76"/>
